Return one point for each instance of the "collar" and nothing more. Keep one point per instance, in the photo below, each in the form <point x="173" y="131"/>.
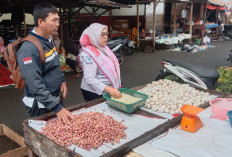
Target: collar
<point x="49" y="38"/>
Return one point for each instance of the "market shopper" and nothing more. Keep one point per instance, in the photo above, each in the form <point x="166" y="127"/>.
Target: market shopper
<point x="57" y="43"/>
<point x="101" y="72"/>
<point x="2" y="50"/>
<point x="44" y="82"/>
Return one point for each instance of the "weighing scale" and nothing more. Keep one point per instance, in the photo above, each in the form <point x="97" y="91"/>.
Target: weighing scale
<point x="190" y="121"/>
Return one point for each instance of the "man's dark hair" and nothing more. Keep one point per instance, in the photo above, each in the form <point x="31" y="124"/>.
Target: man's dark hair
<point x="42" y="10"/>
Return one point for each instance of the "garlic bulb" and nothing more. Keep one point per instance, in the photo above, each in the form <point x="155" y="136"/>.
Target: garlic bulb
<point x="169" y="96"/>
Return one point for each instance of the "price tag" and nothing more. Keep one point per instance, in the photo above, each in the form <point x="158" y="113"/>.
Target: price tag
<point x="37" y="124"/>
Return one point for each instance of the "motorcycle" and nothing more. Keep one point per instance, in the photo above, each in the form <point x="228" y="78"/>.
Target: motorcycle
<point x="73" y="50"/>
<point x="228" y="30"/>
<point x="201" y="77"/>
<point x="129" y="48"/>
<point x="117" y="48"/>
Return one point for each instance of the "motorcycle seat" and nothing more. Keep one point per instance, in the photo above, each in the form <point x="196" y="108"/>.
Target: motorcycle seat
<point x="206" y="72"/>
<point x="111" y="44"/>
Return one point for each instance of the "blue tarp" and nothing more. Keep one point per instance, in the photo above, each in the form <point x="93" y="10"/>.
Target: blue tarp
<point x="211" y="26"/>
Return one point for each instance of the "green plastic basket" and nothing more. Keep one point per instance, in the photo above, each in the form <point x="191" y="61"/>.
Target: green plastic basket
<point x="129" y="108"/>
<point x="198" y="41"/>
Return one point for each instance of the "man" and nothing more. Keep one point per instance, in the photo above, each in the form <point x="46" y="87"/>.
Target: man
<point x="44" y="82"/>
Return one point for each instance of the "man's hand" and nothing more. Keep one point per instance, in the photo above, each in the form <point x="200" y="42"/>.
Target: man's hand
<point x="64" y="115"/>
<point x="113" y="92"/>
<point x="64" y="89"/>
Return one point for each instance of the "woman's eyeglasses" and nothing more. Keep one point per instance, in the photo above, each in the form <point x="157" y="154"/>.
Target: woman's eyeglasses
<point x="104" y="34"/>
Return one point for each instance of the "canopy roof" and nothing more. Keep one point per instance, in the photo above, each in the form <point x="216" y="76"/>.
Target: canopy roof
<point x="221" y="2"/>
<point x="188" y="1"/>
<point x="8" y="5"/>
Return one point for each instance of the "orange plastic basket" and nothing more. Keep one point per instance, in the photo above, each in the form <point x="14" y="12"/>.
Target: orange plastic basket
<point x="220" y="106"/>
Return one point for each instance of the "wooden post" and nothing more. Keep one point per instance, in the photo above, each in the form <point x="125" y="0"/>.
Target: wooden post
<point x="217" y="13"/>
<point x="69" y="23"/>
<point x="24" y="22"/>
<point x="61" y="29"/>
<point x="110" y="15"/>
<point x="191" y="21"/>
<point x="154" y="24"/>
<point x="201" y="11"/>
<point x="174" y="29"/>
<point x="145" y="15"/>
<point x="137" y="40"/>
<point x="226" y="19"/>
<point x="204" y="16"/>
<point x="163" y="16"/>
<point x="145" y="10"/>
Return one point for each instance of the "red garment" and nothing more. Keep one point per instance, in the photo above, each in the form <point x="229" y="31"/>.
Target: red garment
<point x="5" y="76"/>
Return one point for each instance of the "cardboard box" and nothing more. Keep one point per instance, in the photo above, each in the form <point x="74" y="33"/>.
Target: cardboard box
<point x="18" y="152"/>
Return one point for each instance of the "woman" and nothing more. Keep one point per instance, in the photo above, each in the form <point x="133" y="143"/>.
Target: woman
<point x="101" y="71"/>
<point x="57" y="43"/>
<point x="2" y="50"/>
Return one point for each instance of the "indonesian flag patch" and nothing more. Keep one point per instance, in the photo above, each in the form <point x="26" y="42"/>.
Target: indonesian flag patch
<point x="27" y="60"/>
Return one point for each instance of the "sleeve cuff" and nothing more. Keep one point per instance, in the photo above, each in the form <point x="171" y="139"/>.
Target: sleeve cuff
<point x="57" y="108"/>
<point x="101" y="89"/>
<point x="64" y="80"/>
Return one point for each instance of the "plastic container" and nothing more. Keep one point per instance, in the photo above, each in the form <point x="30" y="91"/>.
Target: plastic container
<point x="229" y="114"/>
<point x="129" y="108"/>
<point x="198" y="41"/>
<point x="220" y="107"/>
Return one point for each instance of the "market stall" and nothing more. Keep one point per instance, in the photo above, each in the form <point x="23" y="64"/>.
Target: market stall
<point x="49" y="147"/>
<point x="188" y="8"/>
<point x="164" y="40"/>
<point x="210" y="17"/>
<point x="142" y="126"/>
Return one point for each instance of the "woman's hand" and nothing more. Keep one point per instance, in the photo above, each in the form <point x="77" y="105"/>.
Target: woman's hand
<point x="113" y="92"/>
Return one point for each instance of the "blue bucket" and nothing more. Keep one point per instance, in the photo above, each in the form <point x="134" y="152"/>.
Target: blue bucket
<point x="229" y="113"/>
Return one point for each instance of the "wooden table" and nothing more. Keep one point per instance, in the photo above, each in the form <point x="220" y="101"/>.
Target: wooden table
<point x="201" y="28"/>
<point x="195" y="27"/>
<point x="146" y="44"/>
<point x="40" y="145"/>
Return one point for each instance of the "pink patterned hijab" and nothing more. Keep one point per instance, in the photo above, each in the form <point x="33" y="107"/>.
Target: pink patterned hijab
<point x="90" y="39"/>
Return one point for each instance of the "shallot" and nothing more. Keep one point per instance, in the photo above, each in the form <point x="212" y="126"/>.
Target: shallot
<point x="87" y="130"/>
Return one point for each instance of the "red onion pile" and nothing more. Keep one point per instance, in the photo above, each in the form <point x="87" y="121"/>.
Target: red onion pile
<point x="87" y="130"/>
